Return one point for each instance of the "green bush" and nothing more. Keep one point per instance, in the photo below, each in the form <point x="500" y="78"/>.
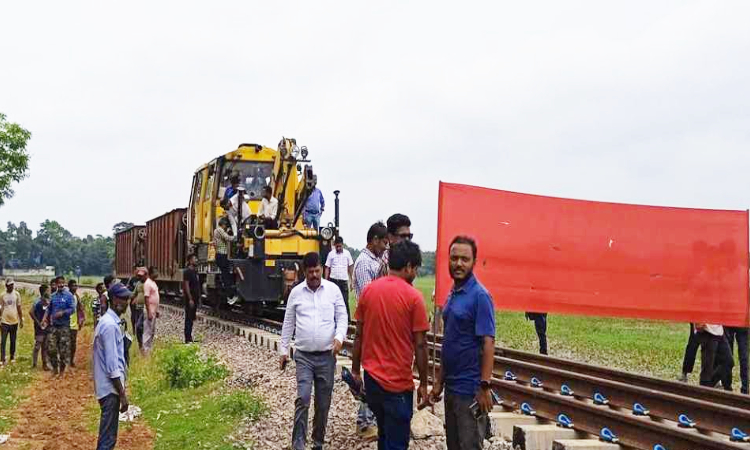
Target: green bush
<point x="242" y="404"/>
<point x="183" y="367"/>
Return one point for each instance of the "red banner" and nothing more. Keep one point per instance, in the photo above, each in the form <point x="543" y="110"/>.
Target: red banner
<point x="556" y="255"/>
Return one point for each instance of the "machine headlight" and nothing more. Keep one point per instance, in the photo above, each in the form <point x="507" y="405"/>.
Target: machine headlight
<point x="326" y="233"/>
<point x="304" y="152"/>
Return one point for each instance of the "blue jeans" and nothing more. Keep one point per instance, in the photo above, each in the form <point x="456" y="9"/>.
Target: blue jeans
<point x="393" y="412"/>
<point x="110" y="406"/>
<point x="312" y="220"/>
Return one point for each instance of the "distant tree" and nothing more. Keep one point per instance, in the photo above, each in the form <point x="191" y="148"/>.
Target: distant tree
<point x="14" y="160"/>
<point x="122" y="226"/>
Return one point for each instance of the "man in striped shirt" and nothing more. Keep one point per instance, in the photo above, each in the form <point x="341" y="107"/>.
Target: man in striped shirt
<point x="222" y="240"/>
<point x="366" y="269"/>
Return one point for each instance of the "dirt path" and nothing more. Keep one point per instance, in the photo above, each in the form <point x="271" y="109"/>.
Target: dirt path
<point x="55" y="414"/>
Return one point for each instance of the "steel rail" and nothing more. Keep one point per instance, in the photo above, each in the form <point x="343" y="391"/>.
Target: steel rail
<point x="632" y="431"/>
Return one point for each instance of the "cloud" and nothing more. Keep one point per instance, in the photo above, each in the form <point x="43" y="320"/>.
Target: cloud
<point x="641" y="102"/>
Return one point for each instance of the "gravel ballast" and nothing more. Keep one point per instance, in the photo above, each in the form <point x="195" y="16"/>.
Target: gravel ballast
<point x="257" y="368"/>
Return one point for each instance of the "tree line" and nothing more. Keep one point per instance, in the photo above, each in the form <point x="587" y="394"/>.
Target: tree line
<point x="55" y="246"/>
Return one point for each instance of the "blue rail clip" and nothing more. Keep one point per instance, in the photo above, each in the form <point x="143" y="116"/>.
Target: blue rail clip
<point x="640" y="410"/>
<point x="599" y="399"/>
<point x="659" y="447"/>
<point x="536" y="382"/>
<point x="685" y="422"/>
<point x="564" y="421"/>
<point x="608" y="436"/>
<point x="566" y="390"/>
<point x="510" y="376"/>
<point x="527" y="409"/>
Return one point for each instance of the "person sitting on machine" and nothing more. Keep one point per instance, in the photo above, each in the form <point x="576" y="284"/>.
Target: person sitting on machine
<point x="269" y="207"/>
<point x="230" y="207"/>
<point x="231" y="191"/>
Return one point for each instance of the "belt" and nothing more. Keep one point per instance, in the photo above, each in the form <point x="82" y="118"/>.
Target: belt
<point x="322" y="352"/>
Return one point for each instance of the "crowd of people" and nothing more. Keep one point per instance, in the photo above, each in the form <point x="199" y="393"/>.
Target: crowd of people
<point x="392" y="323"/>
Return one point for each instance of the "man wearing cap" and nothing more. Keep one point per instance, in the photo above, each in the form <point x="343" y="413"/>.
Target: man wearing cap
<point x="109" y="367"/>
<point x="58" y="316"/>
<point x="12" y="318"/>
<point x="314" y="207"/>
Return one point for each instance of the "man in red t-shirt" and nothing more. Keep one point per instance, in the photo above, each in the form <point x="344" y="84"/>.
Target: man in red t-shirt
<point x="391" y="327"/>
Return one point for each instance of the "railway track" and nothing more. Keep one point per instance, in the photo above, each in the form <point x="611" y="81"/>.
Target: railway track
<point x="639" y="412"/>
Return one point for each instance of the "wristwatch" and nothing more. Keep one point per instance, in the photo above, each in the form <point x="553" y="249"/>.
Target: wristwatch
<point x="484" y="384"/>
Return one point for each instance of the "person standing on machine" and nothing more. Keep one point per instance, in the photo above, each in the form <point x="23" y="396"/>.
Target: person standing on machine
<point x="222" y="242"/>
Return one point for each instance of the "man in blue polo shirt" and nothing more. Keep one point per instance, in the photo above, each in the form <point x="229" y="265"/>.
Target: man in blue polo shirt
<point x="468" y="351"/>
<point x="109" y="367"/>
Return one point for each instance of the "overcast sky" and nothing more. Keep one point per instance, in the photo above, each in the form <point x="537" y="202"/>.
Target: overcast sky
<point x="640" y="102"/>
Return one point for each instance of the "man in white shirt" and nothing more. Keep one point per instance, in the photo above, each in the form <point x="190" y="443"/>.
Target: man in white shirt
<point x="339" y="269"/>
<point x="716" y="358"/>
<point x="232" y="209"/>
<point x="316" y="316"/>
<point x="269" y="207"/>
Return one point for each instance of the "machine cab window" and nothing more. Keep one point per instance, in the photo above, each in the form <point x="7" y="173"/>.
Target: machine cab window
<point x="253" y="176"/>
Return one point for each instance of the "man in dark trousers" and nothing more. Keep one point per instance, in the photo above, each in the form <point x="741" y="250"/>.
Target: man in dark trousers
<point x="109" y="367"/>
<point x="691" y="351"/>
<point x="391" y="333"/>
<point x="468" y="351"/>
<point x="540" y="325"/>
<point x="191" y="291"/>
<point x="739" y="334"/>
<point x="716" y="358"/>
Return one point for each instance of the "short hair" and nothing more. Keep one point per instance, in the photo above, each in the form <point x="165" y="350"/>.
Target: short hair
<point x="310" y="260"/>
<point x="153" y="271"/>
<point x="338" y="240"/>
<point x="377" y="230"/>
<point x="100" y="285"/>
<point x="108" y="279"/>
<point x="59" y="277"/>
<point x="267" y="189"/>
<point x="404" y="253"/>
<point x="234" y="178"/>
<point x="397" y="221"/>
<point x="43" y="289"/>
<point x="191" y="255"/>
<point x="460" y="239"/>
<point x="71" y="282"/>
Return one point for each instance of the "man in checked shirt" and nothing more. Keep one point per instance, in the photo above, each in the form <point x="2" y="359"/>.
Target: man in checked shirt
<point x="367" y="268"/>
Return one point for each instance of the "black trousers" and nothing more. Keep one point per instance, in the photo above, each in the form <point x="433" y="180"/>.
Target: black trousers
<point x="136" y="319"/>
<point x="716" y="360"/>
<point x="190" y="313"/>
<point x="344" y="288"/>
<point x="227" y="278"/>
<point x="739" y="335"/>
<point x="9" y="330"/>
<point x="540" y="324"/>
<point x="691" y="351"/>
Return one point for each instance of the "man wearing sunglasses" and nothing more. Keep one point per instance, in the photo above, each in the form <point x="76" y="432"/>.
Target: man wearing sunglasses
<point x="399" y="229"/>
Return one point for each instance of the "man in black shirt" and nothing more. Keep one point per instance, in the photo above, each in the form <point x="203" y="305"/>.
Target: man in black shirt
<point x="191" y="290"/>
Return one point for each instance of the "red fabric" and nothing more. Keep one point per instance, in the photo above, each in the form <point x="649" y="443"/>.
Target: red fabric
<point x="565" y="256"/>
<point x="391" y="310"/>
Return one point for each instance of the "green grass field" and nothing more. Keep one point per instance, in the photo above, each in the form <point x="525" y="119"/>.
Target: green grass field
<point x="643" y="346"/>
